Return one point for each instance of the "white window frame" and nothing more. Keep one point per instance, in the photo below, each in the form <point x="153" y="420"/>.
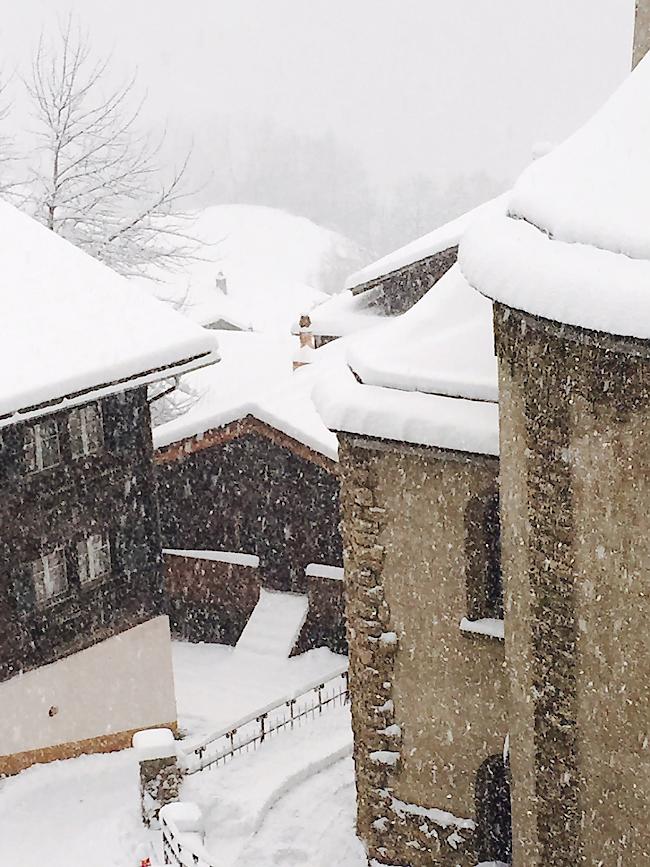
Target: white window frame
<point x="34" y="441"/>
<point x="42" y="571"/>
<point x="89" y="553"/>
<point x="82" y="414"/>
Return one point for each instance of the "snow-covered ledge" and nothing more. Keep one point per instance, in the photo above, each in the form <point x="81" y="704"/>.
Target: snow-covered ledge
<point x="235" y="557"/>
<point x="489" y="626"/>
<point x="322" y="570"/>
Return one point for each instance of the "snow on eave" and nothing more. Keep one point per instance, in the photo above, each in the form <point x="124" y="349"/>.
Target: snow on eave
<point x="432" y="244"/>
<point x="594" y="188"/>
<point x="174" y="433"/>
<point x="443" y="345"/>
<point x="516" y="264"/>
<point x="347" y="406"/>
<point x="74" y="329"/>
<point x="106" y="390"/>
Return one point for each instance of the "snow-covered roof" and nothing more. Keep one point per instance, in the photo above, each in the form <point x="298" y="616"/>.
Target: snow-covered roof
<point x="428" y="377"/>
<point x="72" y="328"/>
<point x="255" y="377"/>
<point x="443" y="345"/>
<point x="575" y="247"/>
<point x="442" y="238"/>
<point x="276" y="267"/>
<point x="410" y="417"/>
<point x="343" y="313"/>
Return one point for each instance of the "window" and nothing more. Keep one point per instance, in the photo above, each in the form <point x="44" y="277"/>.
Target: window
<point x="86" y="430"/>
<point x="50" y="576"/>
<point x="94" y="553"/>
<point x="493" y="812"/>
<point x="41" y="446"/>
<point x="483" y="553"/>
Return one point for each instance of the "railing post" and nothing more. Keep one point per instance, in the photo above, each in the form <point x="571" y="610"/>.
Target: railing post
<point x="292" y="702"/>
<point x="160" y="775"/>
<point x="262" y="719"/>
<point x="320" y="697"/>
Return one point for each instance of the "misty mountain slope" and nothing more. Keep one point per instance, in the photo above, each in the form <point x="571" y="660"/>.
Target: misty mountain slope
<point x="276" y="265"/>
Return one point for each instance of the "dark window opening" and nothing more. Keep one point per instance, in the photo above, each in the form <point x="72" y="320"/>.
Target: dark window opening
<point x="493" y="812"/>
<point x="483" y="552"/>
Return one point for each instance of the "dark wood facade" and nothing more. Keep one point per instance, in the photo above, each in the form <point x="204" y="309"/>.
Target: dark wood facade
<point x="208" y="600"/>
<point x="111" y="493"/>
<point x="249" y="488"/>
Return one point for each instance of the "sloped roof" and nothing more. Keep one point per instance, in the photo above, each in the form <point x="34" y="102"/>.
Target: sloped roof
<point x="343" y="313"/>
<point x="254" y="378"/>
<point x="428" y="377"/>
<point x="442" y="238"/>
<point x="72" y="327"/>
<point x="575" y="246"/>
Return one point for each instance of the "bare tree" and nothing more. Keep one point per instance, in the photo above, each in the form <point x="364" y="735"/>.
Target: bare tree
<point x="97" y="180"/>
<point x="8" y="156"/>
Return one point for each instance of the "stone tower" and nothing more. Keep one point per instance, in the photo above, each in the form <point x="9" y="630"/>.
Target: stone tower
<point x="641" y="31"/>
<point x="572" y="332"/>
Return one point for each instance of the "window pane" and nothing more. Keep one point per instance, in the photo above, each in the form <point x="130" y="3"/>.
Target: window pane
<point x="94" y="431"/>
<point x="76" y="440"/>
<point x="49" y="574"/>
<point x="94" y="558"/>
<point x="56" y="572"/>
<point x="38" y="575"/>
<point x="86" y="432"/>
<point x="82" y="556"/>
<point x="29" y="449"/>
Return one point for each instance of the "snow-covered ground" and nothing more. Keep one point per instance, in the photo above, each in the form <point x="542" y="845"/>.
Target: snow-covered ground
<point x="86" y="810"/>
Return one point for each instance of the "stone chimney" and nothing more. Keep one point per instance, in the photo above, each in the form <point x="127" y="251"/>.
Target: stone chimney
<point x="307" y="343"/>
<point x="641" y="31"/>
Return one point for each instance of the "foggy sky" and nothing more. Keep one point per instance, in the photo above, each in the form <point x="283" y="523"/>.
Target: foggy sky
<point x="439" y="86"/>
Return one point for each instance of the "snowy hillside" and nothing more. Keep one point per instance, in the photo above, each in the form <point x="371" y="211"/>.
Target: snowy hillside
<point x="276" y="266"/>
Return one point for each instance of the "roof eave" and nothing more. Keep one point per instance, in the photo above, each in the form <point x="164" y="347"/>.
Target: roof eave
<point x="67" y="401"/>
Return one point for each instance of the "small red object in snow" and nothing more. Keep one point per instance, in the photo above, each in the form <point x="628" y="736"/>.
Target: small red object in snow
<point x="146" y="862"/>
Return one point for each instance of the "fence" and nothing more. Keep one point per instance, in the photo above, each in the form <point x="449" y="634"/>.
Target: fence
<point x="251" y="731"/>
<point x="177" y="848"/>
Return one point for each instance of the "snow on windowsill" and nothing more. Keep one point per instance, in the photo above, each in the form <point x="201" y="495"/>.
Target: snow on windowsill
<point x="321" y="570"/>
<point x="234" y="557"/>
<point x="488" y="626"/>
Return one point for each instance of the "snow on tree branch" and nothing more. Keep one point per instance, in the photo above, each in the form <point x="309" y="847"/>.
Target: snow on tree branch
<point x="97" y="180"/>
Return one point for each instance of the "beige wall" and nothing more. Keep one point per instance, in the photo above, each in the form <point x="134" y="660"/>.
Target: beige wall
<point x="120" y="684"/>
<point x="575" y="481"/>
<point x="406" y="541"/>
<point x="449" y="689"/>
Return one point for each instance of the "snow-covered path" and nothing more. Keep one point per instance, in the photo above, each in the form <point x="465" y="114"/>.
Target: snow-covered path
<point x="244" y="801"/>
<point x="86" y="810"/>
<point x="72" y="813"/>
<point x="311" y="826"/>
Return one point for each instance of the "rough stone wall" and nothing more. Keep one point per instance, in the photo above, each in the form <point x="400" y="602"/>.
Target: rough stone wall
<point x="575" y="433"/>
<point x="641" y="31"/>
<point x="428" y="703"/>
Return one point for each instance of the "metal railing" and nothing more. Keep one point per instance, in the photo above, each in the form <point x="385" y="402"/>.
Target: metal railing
<point x="176" y="852"/>
<point x="251" y="731"/>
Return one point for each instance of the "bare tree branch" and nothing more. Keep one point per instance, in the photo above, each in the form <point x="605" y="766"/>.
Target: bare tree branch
<point x="98" y="181"/>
